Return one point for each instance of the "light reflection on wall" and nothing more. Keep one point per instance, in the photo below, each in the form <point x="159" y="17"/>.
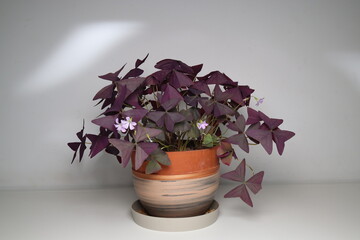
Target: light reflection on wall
<point x="77" y="51"/>
<point x="349" y="64"/>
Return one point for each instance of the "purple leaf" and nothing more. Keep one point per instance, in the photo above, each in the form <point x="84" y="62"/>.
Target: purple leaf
<point x="221" y="96"/>
<point x="207" y="104"/>
<point x="119" y="100"/>
<point x="242" y="192"/>
<point x="178" y="80"/>
<point x="74" y="145"/>
<point x="221" y="109"/>
<point x="238" y="174"/>
<point x="139" y="62"/>
<point x="170" y="64"/>
<point x="201" y="87"/>
<point x="240" y="140"/>
<point x="157" y="77"/>
<point x="217" y="77"/>
<point x="254" y="183"/>
<point x="143" y="150"/>
<point x="135" y="114"/>
<point x="136" y="72"/>
<point x="99" y="143"/>
<point x="157" y="117"/>
<point x="253" y="116"/>
<point x="263" y="135"/>
<point x="280" y="137"/>
<point x="106" y="122"/>
<point x="239" y="125"/>
<point x="171" y="118"/>
<point x="125" y="149"/>
<point x="131" y="84"/>
<point x="196" y="69"/>
<point x="152" y="167"/>
<point x="112" y="76"/>
<point x="143" y="133"/>
<point x="272" y="123"/>
<point x="105" y="92"/>
<point x="171" y="98"/>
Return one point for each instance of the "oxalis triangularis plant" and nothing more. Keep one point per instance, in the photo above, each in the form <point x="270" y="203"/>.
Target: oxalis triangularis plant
<point x="174" y="109"/>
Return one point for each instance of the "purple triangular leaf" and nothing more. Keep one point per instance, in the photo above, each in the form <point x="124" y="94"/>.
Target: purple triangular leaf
<point x="139" y="62"/>
<point x="158" y="117"/>
<point x="105" y="92"/>
<point x="99" y="143"/>
<point x="238" y="174"/>
<point x="221" y="109"/>
<point x="152" y="167"/>
<point x="171" y="64"/>
<point x="178" y="80"/>
<point x="135" y="114"/>
<point x="171" y="118"/>
<point x="217" y="77"/>
<point x="170" y="98"/>
<point x="240" y="140"/>
<point x="131" y="84"/>
<point x="136" y="72"/>
<point x="201" y="87"/>
<point x="143" y="133"/>
<point x="221" y="96"/>
<point x="106" y="122"/>
<point x="196" y="69"/>
<point x="280" y="137"/>
<point x="74" y="145"/>
<point x="112" y="76"/>
<point x="272" y="123"/>
<point x="253" y="116"/>
<point x="254" y="183"/>
<point x="263" y="135"/>
<point x="143" y="150"/>
<point x="125" y="149"/>
<point x="241" y="192"/>
<point x="208" y="105"/>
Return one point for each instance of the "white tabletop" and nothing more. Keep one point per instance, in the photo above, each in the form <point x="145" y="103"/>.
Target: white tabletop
<point x="299" y="211"/>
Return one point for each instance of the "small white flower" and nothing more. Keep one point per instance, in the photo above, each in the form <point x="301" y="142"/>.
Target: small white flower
<point x="125" y="124"/>
<point x="202" y="124"/>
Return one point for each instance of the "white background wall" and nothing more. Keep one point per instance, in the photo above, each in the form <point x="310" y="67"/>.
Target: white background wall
<point x="302" y="56"/>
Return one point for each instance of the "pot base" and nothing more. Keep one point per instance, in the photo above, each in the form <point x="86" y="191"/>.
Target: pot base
<point x="174" y="224"/>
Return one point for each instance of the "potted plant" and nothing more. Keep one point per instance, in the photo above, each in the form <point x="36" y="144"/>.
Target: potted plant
<point x="174" y="126"/>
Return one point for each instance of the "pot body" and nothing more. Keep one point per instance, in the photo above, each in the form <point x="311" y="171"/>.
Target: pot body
<point x="185" y="188"/>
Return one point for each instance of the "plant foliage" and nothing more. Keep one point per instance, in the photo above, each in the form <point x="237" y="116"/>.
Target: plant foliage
<point x="174" y="109"/>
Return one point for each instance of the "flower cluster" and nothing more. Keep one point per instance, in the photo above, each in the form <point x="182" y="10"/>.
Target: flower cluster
<point x="124" y="125"/>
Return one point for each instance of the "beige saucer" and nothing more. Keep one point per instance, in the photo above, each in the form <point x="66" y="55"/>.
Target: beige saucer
<point x="174" y="224"/>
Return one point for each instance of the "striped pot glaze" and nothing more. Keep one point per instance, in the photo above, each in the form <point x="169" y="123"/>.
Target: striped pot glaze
<point x="185" y="188"/>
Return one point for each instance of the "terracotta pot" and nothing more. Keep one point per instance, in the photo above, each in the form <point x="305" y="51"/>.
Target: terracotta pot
<point x="183" y="189"/>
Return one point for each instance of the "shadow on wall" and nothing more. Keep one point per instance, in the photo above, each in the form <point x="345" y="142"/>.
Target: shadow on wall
<point x="78" y="51"/>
